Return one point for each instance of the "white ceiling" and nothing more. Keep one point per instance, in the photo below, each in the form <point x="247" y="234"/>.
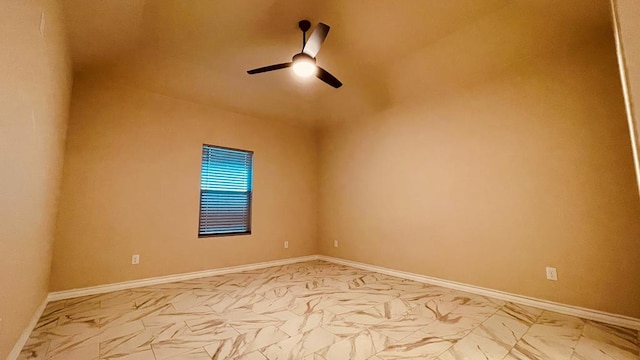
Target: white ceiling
<point x="384" y="51"/>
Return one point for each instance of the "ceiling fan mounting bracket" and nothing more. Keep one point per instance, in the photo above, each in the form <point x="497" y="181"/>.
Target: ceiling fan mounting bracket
<point x="304" y="25"/>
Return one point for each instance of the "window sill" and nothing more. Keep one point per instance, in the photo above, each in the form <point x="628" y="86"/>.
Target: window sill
<point x="224" y="234"/>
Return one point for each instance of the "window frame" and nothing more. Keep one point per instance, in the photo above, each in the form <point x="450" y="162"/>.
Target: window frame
<point x="250" y="202"/>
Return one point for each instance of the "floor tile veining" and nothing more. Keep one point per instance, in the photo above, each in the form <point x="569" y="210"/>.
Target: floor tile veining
<point x="314" y="311"/>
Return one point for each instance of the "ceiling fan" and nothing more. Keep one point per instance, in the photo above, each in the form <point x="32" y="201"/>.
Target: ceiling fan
<point x="304" y="63"/>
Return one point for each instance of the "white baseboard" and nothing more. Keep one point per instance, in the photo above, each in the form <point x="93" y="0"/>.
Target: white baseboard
<point x="17" y="348"/>
<point x="613" y="319"/>
<point x="101" y="289"/>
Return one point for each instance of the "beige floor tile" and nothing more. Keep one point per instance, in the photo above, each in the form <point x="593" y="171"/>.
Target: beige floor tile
<point x="177" y="353"/>
<point x="126" y="344"/>
<point x="246" y="343"/>
<point x="301" y="345"/>
<point x="140" y="355"/>
<point x="417" y="346"/>
<point x="602" y="341"/>
<point x="313" y="311"/>
<point x="360" y="346"/>
<point x="34" y="349"/>
<point x="88" y="352"/>
<point x="502" y="328"/>
<point x="255" y="355"/>
<point x="475" y="347"/>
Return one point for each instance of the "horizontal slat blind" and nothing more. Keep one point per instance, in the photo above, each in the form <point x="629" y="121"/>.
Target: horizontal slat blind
<point x="225" y="191"/>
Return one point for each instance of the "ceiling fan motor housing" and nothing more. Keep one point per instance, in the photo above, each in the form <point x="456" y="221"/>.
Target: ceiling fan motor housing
<point x="303" y="57"/>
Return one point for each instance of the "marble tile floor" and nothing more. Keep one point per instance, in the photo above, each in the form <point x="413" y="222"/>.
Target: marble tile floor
<point x="314" y="311"/>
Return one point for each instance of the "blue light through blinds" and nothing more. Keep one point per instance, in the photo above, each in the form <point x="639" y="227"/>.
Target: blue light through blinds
<point x="225" y="191"/>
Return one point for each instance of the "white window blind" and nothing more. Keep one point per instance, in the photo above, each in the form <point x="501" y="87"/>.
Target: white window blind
<point x="225" y="191"/>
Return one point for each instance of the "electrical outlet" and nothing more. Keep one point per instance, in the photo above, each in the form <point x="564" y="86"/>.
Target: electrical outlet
<point x="135" y="259"/>
<point x="286" y="244"/>
<point x="335" y="243"/>
<point x="552" y="273"/>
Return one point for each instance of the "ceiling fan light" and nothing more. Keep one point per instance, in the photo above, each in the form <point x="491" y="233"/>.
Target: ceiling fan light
<point x="304" y="67"/>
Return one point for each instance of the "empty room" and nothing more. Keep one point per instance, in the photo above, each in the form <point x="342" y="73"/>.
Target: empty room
<point x="319" y="180"/>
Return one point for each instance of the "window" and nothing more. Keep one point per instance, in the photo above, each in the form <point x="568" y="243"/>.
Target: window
<point x="225" y="191"/>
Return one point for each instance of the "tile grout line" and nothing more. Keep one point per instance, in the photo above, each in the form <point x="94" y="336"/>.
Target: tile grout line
<point x="526" y="332"/>
<point x="472" y="330"/>
<point x="487" y="319"/>
<point x="573" y="348"/>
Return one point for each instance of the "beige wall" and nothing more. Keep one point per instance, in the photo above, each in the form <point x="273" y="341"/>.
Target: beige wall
<point x="627" y="16"/>
<point x="131" y="186"/>
<point x="489" y="185"/>
<point x="34" y="92"/>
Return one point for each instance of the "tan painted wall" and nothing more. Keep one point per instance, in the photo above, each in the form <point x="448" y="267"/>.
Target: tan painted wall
<point x="627" y="15"/>
<point x="35" y="83"/>
<point x="493" y="183"/>
<point x="131" y="186"/>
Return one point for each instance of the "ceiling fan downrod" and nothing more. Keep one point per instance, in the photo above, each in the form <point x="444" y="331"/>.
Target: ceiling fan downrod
<point x="304" y="25"/>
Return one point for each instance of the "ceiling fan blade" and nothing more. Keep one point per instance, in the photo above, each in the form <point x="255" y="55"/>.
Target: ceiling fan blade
<point x="269" y="68"/>
<point x="324" y="75"/>
<point x="316" y="39"/>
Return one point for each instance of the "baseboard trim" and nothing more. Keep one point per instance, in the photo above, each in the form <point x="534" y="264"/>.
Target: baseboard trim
<point x="101" y="289"/>
<point x="17" y="348"/>
<point x="614" y="319"/>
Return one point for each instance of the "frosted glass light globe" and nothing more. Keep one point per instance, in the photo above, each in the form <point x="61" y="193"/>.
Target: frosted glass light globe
<point x="304" y="65"/>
